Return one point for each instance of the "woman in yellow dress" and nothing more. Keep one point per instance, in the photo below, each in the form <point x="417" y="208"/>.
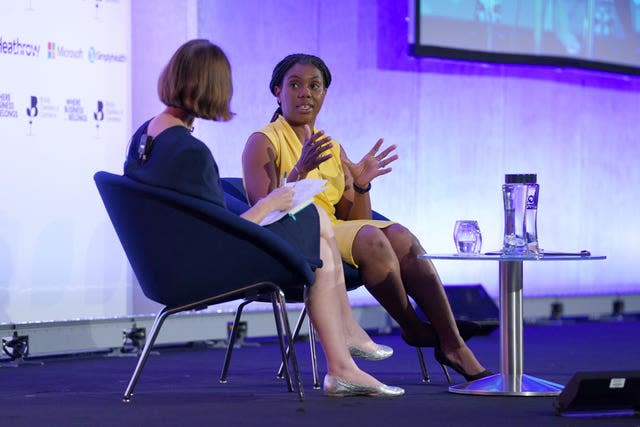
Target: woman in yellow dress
<point x="385" y="252"/>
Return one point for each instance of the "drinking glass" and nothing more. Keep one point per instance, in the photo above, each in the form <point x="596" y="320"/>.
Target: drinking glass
<point x="467" y="237"/>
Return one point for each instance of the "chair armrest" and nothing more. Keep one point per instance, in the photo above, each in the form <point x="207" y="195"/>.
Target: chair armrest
<point x="378" y="216"/>
<point x="236" y="206"/>
<point x="234" y="187"/>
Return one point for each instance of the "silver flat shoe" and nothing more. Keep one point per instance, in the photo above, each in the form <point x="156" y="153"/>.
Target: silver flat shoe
<point x="335" y="387"/>
<point x="380" y="353"/>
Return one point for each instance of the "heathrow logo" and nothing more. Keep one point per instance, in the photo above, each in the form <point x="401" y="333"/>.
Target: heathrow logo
<point x="15" y="46"/>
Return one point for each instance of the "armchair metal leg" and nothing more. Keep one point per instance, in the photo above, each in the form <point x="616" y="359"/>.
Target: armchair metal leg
<point x="155" y="329"/>
<point x="423" y="366"/>
<point x="281" y="341"/>
<point x="284" y="331"/>
<point x="312" y="347"/>
<point x="296" y="332"/>
<point x="314" y="355"/>
<point x="232" y="340"/>
<point x="284" y="338"/>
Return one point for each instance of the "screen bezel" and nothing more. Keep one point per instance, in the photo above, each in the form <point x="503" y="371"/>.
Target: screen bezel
<point x="417" y="49"/>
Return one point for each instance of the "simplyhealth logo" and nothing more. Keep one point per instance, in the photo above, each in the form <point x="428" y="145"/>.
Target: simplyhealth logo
<point x="15" y="46"/>
<point x="96" y="55"/>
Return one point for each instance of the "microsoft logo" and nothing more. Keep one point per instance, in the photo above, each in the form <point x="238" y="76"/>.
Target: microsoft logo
<point x="51" y="50"/>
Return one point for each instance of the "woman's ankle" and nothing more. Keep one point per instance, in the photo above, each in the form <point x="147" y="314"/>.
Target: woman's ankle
<point x="464" y="357"/>
<point x="355" y="336"/>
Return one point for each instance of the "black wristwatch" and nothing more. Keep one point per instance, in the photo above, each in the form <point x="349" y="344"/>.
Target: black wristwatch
<point x="362" y="190"/>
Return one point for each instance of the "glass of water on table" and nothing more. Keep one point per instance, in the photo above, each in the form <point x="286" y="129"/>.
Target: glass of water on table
<point x="467" y="237"/>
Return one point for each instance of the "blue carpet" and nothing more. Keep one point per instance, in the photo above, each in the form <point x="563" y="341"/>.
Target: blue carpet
<point x="179" y="386"/>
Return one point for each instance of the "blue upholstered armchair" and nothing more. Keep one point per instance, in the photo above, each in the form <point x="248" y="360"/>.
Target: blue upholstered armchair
<point x="189" y="254"/>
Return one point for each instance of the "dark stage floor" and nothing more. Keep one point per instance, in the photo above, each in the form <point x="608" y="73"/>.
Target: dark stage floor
<point x="179" y="386"/>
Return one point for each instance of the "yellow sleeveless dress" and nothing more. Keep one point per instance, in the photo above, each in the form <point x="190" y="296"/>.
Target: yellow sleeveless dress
<point x="288" y="149"/>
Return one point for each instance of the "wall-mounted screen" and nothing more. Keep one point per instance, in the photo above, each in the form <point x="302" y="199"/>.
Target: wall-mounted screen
<point x="599" y="34"/>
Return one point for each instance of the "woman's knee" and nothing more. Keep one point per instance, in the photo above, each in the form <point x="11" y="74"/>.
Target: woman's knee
<point x="403" y="240"/>
<point x="326" y="228"/>
<point x="328" y="269"/>
<point x="371" y="245"/>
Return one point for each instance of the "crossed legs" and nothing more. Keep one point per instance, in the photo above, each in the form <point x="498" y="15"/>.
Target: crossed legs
<point x="331" y="314"/>
<point x="392" y="272"/>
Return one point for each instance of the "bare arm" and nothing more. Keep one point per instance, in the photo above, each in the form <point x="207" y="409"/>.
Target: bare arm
<point x="259" y="168"/>
<point x="261" y="180"/>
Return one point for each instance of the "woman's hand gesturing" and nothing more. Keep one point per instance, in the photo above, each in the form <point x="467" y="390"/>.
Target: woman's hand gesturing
<point x="313" y="151"/>
<point x="372" y="164"/>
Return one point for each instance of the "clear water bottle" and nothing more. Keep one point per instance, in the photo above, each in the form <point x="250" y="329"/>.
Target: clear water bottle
<point x="531" y="213"/>
<point x="514" y="194"/>
<point x="520" y="194"/>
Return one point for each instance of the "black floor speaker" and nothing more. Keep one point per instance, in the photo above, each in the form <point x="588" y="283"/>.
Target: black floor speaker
<point x="472" y="302"/>
<point x="600" y="394"/>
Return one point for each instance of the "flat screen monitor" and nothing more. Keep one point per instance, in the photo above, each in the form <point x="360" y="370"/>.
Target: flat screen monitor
<point x="597" y="34"/>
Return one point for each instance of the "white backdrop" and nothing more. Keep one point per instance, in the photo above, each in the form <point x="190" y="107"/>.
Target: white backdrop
<point x="64" y="114"/>
<point x="459" y="128"/>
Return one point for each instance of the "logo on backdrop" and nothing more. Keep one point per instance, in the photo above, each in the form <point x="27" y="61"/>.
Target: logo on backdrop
<point x="98" y="116"/>
<point x="48" y="110"/>
<point x="7" y="107"/>
<point x="95" y="55"/>
<point x="51" y="50"/>
<point x="74" y="110"/>
<point x="32" y="111"/>
<point x="41" y="107"/>
<point x="107" y="112"/>
<point x="15" y="46"/>
<point x="112" y="112"/>
<point x="54" y="51"/>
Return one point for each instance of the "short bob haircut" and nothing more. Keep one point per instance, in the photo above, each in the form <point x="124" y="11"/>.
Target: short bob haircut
<point x="197" y="79"/>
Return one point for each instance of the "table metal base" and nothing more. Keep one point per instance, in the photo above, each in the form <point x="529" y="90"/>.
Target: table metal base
<point x="510" y="381"/>
<point x="508" y="385"/>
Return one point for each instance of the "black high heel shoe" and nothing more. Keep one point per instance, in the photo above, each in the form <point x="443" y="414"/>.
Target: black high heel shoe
<point x="466" y="329"/>
<point x="444" y="362"/>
